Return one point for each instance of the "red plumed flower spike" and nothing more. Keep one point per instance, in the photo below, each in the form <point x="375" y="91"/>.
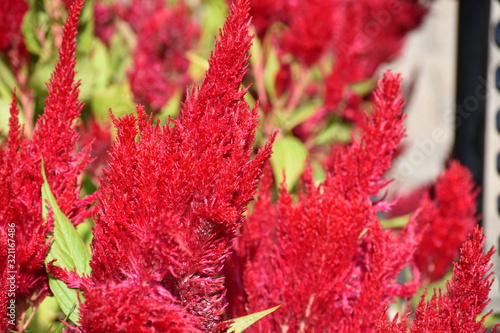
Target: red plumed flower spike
<point x="448" y="212"/>
<point x="325" y="258"/>
<point x="160" y="63"/>
<point x="466" y="296"/>
<point x="369" y="157"/>
<point x="54" y="140"/>
<point x="173" y="199"/>
<point x="55" y="135"/>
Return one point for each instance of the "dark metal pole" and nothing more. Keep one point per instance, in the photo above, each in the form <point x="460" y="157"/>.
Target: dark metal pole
<point x="473" y="27"/>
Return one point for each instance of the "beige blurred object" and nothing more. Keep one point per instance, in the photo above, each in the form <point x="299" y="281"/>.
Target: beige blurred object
<point x="428" y="65"/>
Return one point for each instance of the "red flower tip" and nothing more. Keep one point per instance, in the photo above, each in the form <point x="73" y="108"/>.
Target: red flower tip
<point x="466" y="295"/>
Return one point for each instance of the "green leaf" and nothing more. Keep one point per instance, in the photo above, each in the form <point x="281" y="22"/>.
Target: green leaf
<point x="60" y="328"/>
<point x="298" y="115"/>
<point x="363" y="88"/>
<point x="7" y="80"/>
<point x="172" y="107"/>
<point x="289" y="154"/>
<point x="41" y="75"/>
<point x="93" y="70"/>
<point x="46" y="315"/>
<point x="29" y="29"/>
<point x="117" y="97"/>
<point x="212" y="13"/>
<point x="319" y="173"/>
<point x="4" y="116"/>
<point x="491" y="320"/>
<point x="335" y="132"/>
<point x="272" y="68"/>
<point x="396" y="222"/>
<point x="242" y="323"/>
<point x="69" y="250"/>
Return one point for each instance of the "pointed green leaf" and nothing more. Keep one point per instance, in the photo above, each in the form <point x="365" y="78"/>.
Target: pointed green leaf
<point x="69" y="250"/>
<point x="242" y="323"/>
<point x="289" y="154"/>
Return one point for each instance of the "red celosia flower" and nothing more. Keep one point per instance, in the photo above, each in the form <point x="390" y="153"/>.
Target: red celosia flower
<point x="369" y="34"/>
<point x="368" y="158"/>
<point x="465" y="298"/>
<point x="374" y="31"/>
<point x="311" y="27"/>
<point x="137" y="12"/>
<point x="326" y="258"/>
<point x="172" y="201"/>
<point x="160" y="64"/>
<point x="450" y="205"/>
<point x="12" y="13"/>
<point x="54" y="140"/>
<point x="104" y="15"/>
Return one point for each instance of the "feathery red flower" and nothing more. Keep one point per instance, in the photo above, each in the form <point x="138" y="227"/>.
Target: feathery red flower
<point x="448" y="212"/>
<point x="173" y="199"/>
<point x="376" y="29"/>
<point x="12" y="13"/>
<point x="54" y="140"/>
<point x="160" y="64"/>
<point x="367" y="159"/>
<point x="326" y="259"/>
<point x="466" y="296"/>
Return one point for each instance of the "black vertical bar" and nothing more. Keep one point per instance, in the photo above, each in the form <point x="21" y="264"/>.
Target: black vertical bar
<point x="472" y="63"/>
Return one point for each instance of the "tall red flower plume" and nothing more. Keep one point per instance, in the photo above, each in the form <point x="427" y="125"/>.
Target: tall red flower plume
<point x="325" y="258"/>
<point x="54" y="140"/>
<point x="172" y="201"/>
<point x="466" y="296"/>
<point x="368" y="158"/>
<point x="448" y="212"/>
<point x="160" y="65"/>
<point x="12" y="13"/>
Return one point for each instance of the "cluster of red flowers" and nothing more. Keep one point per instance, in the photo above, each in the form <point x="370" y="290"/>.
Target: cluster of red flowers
<point x="172" y="248"/>
<point x="160" y="66"/>
<point x="466" y="296"/>
<point x="326" y="257"/>
<point x="313" y="28"/>
<point x="55" y="141"/>
<point x="446" y="208"/>
<point x="12" y="13"/>
<point x="163" y="36"/>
